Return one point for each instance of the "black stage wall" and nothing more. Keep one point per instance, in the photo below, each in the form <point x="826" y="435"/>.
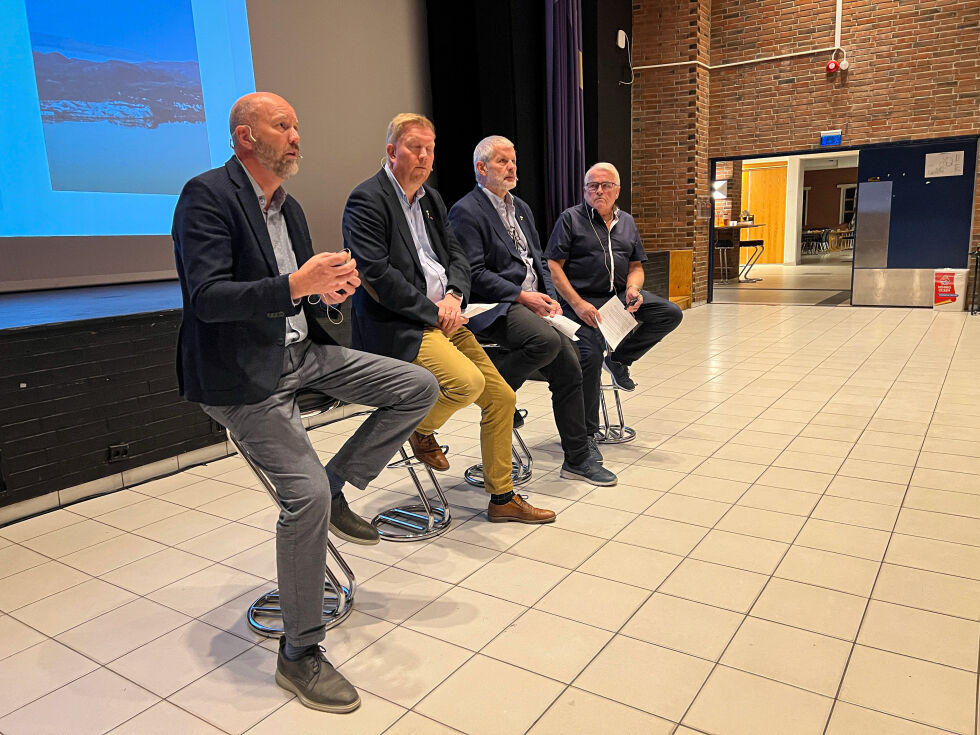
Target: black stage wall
<point x="607" y="101"/>
<point x="487" y="65"/>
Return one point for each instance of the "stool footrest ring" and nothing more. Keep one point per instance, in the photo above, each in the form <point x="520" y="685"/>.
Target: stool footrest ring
<point x="613" y="433"/>
<point x="520" y="469"/>
<point x="415" y="521"/>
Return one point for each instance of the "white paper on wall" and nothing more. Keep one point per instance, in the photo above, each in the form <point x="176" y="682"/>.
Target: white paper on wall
<point x="949" y="163"/>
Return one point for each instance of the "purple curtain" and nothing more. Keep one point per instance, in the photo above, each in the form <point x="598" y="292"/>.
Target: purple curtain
<point x="565" y="116"/>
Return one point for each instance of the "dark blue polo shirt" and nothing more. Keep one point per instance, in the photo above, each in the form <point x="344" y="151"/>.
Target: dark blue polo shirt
<point x="581" y="239"/>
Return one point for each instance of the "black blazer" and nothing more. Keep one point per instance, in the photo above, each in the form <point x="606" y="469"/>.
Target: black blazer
<point x="231" y="342"/>
<point x="497" y="268"/>
<point x="392" y="310"/>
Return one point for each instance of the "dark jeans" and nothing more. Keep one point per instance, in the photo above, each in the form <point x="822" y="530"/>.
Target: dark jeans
<point x="529" y="344"/>
<point x="657" y="318"/>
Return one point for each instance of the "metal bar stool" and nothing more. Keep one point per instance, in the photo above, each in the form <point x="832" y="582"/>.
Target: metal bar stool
<point x="520" y="469"/>
<point x="759" y="247"/>
<point x="415" y="521"/>
<point x="609" y="433"/>
<point x="618" y="433"/>
<point x="265" y="614"/>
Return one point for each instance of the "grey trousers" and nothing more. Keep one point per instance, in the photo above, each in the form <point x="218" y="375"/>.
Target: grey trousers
<point x="274" y="435"/>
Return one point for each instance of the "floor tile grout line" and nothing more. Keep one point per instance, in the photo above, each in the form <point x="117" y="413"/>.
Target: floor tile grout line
<point x="748" y="612"/>
<point x="577" y="501"/>
<point x="870" y="596"/>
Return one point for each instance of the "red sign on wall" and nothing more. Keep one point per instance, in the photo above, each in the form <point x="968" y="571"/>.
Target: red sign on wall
<point x="945" y="288"/>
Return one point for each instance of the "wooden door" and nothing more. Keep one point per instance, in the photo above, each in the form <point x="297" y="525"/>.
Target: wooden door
<point x="764" y="195"/>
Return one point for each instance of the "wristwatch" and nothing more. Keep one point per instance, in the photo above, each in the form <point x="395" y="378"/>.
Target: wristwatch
<point x="452" y="291"/>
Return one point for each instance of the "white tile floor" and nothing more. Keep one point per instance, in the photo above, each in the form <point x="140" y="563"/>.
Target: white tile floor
<point x="794" y="548"/>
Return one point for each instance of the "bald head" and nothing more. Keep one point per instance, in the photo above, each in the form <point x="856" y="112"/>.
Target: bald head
<point x="247" y="109"/>
<point x="265" y="133"/>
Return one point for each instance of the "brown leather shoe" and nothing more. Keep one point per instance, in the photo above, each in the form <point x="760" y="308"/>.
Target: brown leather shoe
<point x="520" y="511"/>
<point x="427" y="450"/>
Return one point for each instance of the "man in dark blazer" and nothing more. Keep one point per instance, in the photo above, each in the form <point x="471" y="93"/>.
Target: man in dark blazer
<point x="416" y="281"/>
<point x="249" y="341"/>
<point x="497" y="232"/>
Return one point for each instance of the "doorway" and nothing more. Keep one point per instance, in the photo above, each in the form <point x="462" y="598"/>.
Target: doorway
<point x="791" y="219"/>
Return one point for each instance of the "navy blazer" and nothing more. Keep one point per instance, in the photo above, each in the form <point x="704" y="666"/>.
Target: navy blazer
<point x="496" y="266"/>
<point x="391" y="310"/>
<point x="231" y="341"/>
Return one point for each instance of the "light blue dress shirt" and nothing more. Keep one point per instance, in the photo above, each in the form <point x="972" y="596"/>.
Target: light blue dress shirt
<point x="435" y="273"/>
<point x="297" y="327"/>
<point x="505" y="208"/>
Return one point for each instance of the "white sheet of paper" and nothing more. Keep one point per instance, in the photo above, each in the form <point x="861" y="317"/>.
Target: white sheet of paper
<point x="473" y="309"/>
<point x="615" y="322"/>
<point x="564" y="325"/>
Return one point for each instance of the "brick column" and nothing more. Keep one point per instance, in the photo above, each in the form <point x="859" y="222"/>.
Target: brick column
<point x="670" y="128"/>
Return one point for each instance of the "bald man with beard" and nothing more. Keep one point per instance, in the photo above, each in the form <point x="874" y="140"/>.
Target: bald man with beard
<point x="249" y="342"/>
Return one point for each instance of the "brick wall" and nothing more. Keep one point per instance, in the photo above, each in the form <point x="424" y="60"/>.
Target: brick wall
<point x="68" y="391"/>
<point x="670" y="128"/>
<point x="915" y="74"/>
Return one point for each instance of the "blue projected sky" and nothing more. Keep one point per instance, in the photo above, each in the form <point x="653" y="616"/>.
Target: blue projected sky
<point x="108" y="108"/>
<point x="148" y="30"/>
<point x="107" y="121"/>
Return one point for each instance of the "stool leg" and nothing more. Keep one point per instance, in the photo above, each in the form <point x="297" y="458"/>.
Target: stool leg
<point x="414" y="521"/>
<point x="613" y="433"/>
<point x="265" y="614"/>
<point x="520" y="468"/>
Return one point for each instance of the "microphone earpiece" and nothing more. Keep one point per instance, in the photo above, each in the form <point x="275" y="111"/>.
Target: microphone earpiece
<point x="231" y="140"/>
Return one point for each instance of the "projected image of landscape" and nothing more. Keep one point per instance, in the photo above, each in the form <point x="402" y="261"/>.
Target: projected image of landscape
<point x="120" y="97"/>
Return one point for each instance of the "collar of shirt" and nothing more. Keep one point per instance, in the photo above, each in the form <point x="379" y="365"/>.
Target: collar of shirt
<point x="595" y="213"/>
<point x="505" y="205"/>
<point x="508" y="215"/>
<point x="278" y="197"/>
<point x="401" y="192"/>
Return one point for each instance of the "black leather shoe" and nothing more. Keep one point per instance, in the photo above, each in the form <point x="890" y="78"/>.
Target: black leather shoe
<point x="594" y="454"/>
<point x="519" y="418"/>
<point x="316" y="682"/>
<point x="346" y="524"/>
<point x="592" y="473"/>
<point x="619" y="373"/>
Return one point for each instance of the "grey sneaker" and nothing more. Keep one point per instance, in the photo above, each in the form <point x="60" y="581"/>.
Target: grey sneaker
<point x="619" y="373"/>
<point x="316" y="682"/>
<point x="349" y="526"/>
<point x="591" y="472"/>
<point x="594" y="454"/>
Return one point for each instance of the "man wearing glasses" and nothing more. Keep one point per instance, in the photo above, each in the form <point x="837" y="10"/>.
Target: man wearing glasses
<point x="595" y="253"/>
<point x="496" y="229"/>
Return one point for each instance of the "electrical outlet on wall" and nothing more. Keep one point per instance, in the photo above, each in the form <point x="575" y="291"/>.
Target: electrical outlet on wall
<point x="118" y="452"/>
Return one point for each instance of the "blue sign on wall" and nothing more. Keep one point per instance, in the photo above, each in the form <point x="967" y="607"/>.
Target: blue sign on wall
<point x="830" y="137"/>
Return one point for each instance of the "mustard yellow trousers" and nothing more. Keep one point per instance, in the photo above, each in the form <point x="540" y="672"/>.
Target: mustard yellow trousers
<point x="466" y="375"/>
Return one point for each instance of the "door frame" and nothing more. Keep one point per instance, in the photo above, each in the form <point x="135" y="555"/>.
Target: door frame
<point x="713" y="162"/>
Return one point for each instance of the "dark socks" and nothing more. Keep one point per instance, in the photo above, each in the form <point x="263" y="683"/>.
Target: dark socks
<point x="295" y="653"/>
<point x="502" y="499"/>
<point x="336" y="483"/>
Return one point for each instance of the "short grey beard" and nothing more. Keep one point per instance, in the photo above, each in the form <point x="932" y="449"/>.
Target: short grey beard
<point x="282" y="168"/>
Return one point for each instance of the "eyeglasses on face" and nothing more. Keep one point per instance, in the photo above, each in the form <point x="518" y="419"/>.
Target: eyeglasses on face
<point x="594" y="186"/>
